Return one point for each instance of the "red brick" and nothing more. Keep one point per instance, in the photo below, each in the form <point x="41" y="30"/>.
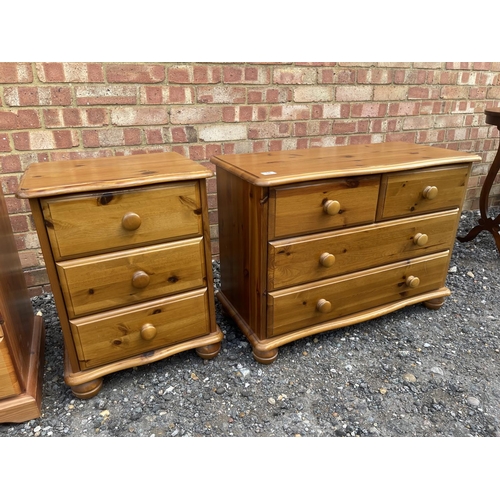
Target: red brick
<point x="167" y="95"/>
<point x="37" y="96"/>
<point x="5" y="143"/>
<point x="11" y="163"/>
<point x="197" y="153"/>
<point x="213" y="150"/>
<point x="290" y="112"/>
<point x="135" y="73"/>
<point x="412" y="77"/>
<point x="183" y="134"/>
<point x="448" y="78"/>
<point x="24" y="118"/>
<point x="207" y="74"/>
<point x="375" y="75"/>
<point x="180" y="74"/>
<point x="70" y="72"/>
<point x="19" y="223"/>
<point x="342" y="127"/>
<point x="154" y="136"/>
<point x="404" y="108"/>
<point x="268" y="130"/>
<point x="44" y="139"/>
<point x="345" y="76"/>
<point x="371" y="109"/>
<point x="11" y="72"/>
<point x="246" y="75"/>
<point x="477" y="93"/>
<point x="401" y="137"/>
<point x="419" y="92"/>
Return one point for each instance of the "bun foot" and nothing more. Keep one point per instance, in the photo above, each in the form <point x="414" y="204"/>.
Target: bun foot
<point x="265" y="357"/>
<point x="208" y="351"/>
<point x="88" y="389"/>
<point x="434" y="304"/>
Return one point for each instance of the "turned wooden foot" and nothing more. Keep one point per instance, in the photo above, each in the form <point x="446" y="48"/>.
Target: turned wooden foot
<point x="265" y="357"/>
<point x="434" y="304"/>
<point x="208" y="351"/>
<point x="88" y="389"/>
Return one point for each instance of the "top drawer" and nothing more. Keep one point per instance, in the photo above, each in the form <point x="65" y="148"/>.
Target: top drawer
<point x="103" y="221"/>
<point x="420" y="191"/>
<point x="319" y="206"/>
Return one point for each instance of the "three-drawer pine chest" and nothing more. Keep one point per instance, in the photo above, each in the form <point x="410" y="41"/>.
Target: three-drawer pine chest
<point x="126" y="244"/>
<point x="318" y="239"/>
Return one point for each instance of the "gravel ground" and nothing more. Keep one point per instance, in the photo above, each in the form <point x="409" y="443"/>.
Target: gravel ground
<point x="412" y="373"/>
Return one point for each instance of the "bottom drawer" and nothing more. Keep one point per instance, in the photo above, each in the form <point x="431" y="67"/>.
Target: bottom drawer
<point x="122" y="333"/>
<point x="310" y="304"/>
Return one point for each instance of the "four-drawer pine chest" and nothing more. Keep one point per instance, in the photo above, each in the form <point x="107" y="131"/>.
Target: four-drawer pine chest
<point x="314" y="240"/>
<point x="126" y="243"/>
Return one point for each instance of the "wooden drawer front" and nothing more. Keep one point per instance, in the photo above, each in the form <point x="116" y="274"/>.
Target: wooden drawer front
<point x="108" y="337"/>
<point x="421" y="191"/>
<point x="301" y="208"/>
<point x="86" y="224"/>
<point x="297" y="308"/>
<point x="117" y="279"/>
<point x="296" y="261"/>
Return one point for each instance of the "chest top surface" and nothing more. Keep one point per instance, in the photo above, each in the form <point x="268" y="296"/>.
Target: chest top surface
<point x="76" y="176"/>
<point x="280" y="167"/>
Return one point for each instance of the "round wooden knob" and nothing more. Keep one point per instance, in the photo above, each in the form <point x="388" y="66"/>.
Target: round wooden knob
<point x="327" y="259"/>
<point x="430" y="192"/>
<point x="324" y="306"/>
<point x="131" y="221"/>
<point x="420" y="239"/>
<point x="148" y="331"/>
<point x="331" y="207"/>
<point x="140" y="279"/>
<point x="412" y="281"/>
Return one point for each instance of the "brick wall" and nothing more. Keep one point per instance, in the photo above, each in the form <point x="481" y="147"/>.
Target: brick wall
<point x="54" y="111"/>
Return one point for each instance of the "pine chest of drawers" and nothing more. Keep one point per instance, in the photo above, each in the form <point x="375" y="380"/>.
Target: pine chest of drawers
<point x="126" y="245"/>
<point x="313" y="240"/>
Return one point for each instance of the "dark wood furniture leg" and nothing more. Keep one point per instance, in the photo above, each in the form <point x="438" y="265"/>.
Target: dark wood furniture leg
<point x="486" y="223"/>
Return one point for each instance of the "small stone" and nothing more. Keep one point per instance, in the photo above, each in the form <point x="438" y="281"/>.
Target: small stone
<point x="409" y="377"/>
<point x="383" y="390"/>
<point x="271" y="401"/>
<point x="471" y="274"/>
<point x="453" y="269"/>
<point x="473" y="401"/>
<point x="437" y="370"/>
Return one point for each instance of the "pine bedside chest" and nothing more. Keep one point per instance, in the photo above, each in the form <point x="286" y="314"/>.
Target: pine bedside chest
<point x="313" y="240"/>
<point x="126" y="244"/>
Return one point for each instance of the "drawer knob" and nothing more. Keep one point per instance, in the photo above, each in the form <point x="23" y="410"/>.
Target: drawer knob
<point x="324" y="306"/>
<point x="148" y="331"/>
<point x="331" y="207"/>
<point x="412" y="281"/>
<point x="327" y="259"/>
<point x="430" y="192"/>
<point x="131" y="221"/>
<point x="140" y="279"/>
<point x="420" y="239"/>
